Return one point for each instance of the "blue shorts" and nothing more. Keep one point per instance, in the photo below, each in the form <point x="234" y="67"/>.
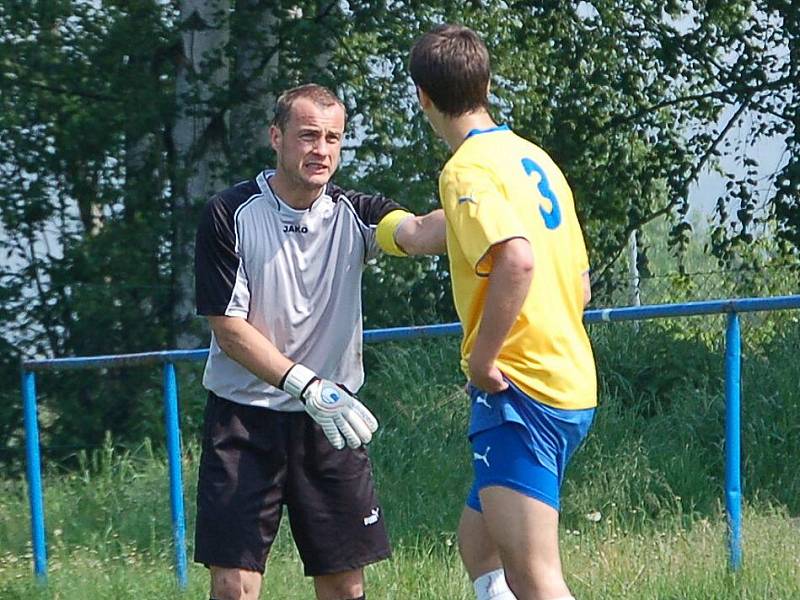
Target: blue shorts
<point x="522" y="444"/>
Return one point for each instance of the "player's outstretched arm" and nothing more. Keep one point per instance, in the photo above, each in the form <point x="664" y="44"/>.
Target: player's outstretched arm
<point x="401" y="233"/>
<point x="423" y="235"/>
<point x="587" y="289"/>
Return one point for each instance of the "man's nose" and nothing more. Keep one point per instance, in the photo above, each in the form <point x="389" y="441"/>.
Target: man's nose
<point x="321" y="146"/>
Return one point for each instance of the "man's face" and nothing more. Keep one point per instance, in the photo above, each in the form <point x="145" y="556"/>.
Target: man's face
<point x="310" y="145"/>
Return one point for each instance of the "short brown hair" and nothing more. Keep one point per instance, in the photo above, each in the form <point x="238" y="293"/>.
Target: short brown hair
<point x="450" y="64"/>
<point x="318" y="94"/>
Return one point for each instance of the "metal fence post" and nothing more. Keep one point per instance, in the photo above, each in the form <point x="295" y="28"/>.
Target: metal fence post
<point x="733" y="476"/>
<point x="175" y="477"/>
<point x="34" y="472"/>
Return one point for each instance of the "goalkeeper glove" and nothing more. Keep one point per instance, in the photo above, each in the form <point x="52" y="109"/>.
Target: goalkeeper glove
<point x="338" y="412"/>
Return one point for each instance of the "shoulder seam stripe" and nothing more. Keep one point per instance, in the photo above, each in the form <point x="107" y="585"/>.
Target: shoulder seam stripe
<point x="236" y="217"/>
<point x="247" y="202"/>
<point x="352" y="210"/>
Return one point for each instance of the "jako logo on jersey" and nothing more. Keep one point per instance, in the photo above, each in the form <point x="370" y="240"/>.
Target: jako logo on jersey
<point x="373" y="517"/>
<point x="295" y="229"/>
<point x="465" y="199"/>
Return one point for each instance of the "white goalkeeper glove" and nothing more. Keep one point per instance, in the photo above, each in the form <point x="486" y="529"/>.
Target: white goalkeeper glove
<point x="340" y="414"/>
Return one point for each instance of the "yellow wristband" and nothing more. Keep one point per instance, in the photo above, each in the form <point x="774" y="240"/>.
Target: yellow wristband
<point x="386" y="230"/>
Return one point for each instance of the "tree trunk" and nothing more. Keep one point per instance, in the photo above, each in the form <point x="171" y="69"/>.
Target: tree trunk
<point x="253" y="86"/>
<point x="199" y="141"/>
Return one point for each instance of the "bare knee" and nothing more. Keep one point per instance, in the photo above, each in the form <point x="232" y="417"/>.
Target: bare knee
<point x="234" y="584"/>
<point x="478" y="552"/>
<point x="476" y="560"/>
<point x="340" y="586"/>
<point x="535" y="581"/>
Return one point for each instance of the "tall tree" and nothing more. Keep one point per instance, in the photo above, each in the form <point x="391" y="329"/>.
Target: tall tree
<point x="199" y="136"/>
<point x="253" y="89"/>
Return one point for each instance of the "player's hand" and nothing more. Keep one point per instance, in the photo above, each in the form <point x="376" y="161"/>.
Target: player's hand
<point x="487" y="378"/>
<point x="339" y="413"/>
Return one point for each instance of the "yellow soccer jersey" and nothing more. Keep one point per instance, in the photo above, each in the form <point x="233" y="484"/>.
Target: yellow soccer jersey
<point x="499" y="186"/>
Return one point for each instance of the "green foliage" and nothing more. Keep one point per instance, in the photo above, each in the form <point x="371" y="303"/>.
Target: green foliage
<point x="10" y="408"/>
<point x="633" y="102"/>
<point x="649" y="384"/>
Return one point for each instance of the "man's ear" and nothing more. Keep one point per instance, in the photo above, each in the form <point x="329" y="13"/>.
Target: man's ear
<point x="424" y="100"/>
<point x="275" y="136"/>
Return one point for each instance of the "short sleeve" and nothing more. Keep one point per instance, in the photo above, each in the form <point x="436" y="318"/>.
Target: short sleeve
<point x="478" y="213"/>
<point x="220" y="281"/>
<point x="370" y="210"/>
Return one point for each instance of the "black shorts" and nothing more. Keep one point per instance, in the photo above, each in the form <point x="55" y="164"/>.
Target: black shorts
<point x="256" y="460"/>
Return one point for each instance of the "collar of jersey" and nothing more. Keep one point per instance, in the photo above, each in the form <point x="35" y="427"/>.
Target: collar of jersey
<point x="473" y="132"/>
<point x="262" y="179"/>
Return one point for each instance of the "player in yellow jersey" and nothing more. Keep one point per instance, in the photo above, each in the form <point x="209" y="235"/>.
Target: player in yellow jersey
<point x="520" y="282"/>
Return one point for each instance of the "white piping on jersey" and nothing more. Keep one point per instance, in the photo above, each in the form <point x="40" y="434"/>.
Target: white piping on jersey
<point x="352" y="209"/>
<point x="240" y="267"/>
<point x="274" y="195"/>
<point x="262" y="180"/>
<point x="263" y="185"/>
<point x="236" y="220"/>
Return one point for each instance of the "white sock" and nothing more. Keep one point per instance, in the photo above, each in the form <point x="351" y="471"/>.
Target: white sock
<point x="492" y="586"/>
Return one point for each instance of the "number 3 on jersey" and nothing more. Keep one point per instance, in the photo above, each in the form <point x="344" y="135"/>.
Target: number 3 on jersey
<point x="552" y="219"/>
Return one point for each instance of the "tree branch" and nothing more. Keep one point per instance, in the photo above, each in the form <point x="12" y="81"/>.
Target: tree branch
<point x="729" y="93"/>
<point x="614" y="255"/>
<point x="23" y="81"/>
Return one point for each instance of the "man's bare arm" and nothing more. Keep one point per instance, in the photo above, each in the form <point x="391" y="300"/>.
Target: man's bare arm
<point x="422" y="235"/>
<point x="244" y="343"/>
<point x="509" y="282"/>
<point x="587" y="289"/>
<point x="343" y="419"/>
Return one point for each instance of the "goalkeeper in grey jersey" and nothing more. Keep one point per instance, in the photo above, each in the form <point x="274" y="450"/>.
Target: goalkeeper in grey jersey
<point x="278" y="270"/>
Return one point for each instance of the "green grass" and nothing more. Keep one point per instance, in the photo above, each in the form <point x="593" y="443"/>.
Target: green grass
<point x="661" y="564"/>
<point x="651" y="468"/>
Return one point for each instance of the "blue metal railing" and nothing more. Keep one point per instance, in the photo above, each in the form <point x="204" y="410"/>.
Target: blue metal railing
<point x="173" y="427"/>
<point x="733" y="452"/>
<point x="733" y="487"/>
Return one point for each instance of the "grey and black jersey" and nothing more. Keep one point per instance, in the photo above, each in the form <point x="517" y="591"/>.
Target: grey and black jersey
<point x="295" y="275"/>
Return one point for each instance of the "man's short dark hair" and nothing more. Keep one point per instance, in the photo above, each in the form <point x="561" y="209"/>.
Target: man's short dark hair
<point x="318" y="94"/>
<point x="450" y="64"/>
